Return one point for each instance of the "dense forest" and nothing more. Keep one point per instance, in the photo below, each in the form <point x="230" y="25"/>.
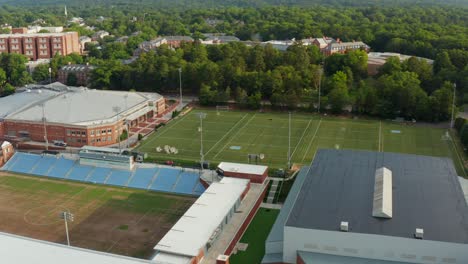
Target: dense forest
<point x="252" y="75"/>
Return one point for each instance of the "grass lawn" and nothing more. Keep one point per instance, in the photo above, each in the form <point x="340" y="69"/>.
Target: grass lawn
<point x="108" y="219"/>
<point x="232" y="135"/>
<point x="255" y="236"/>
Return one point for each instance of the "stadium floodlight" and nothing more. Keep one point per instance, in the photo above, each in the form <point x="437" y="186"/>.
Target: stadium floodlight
<point x="45" y="127"/>
<point x="453" y="105"/>
<point x="320" y="86"/>
<point x="116" y="109"/>
<point x="67" y="216"/>
<point x="202" y="156"/>
<point x="180" y="86"/>
<point x="289" y="142"/>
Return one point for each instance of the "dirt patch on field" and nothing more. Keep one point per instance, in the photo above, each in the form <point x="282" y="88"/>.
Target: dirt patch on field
<point x="111" y="220"/>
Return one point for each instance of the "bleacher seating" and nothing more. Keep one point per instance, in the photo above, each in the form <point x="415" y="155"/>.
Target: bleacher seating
<point x="142" y="178"/>
<point x="79" y="172"/>
<point x="186" y="183"/>
<point x="98" y="175"/>
<point x="61" y="168"/>
<point x="26" y="164"/>
<point x="43" y="165"/>
<point x="199" y="189"/>
<point x="119" y="177"/>
<point x="165" y="179"/>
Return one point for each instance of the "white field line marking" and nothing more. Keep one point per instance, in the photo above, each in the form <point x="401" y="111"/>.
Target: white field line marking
<point x="235" y="125"/>
<point x="234" y="136"/>
<point x="458" y="155"/>
<point x="310" y="144"/>
<point x="380" y="134"/>
<point x="303" y="134"/>
<point x="163" y="132"/>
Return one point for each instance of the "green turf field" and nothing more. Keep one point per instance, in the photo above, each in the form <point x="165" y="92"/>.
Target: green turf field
<point x="255" y="237"/>
<point x="231" y="135"/>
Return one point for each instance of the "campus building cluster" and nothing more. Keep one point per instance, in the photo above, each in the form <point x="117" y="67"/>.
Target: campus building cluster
<point x="372" y="207"/>
<point x="77" y="116"/>
<point x="39" y="45"/>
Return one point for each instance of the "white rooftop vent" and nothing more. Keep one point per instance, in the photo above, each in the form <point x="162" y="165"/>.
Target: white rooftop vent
<point x="419" y="234"/>
<point x="383" y="206"/>
<point x="344" y="226"/>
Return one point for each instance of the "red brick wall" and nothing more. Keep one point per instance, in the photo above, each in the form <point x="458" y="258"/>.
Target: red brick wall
<point x="252" y="177"/>
<point x="21" y="30"/>
<point x="300" y="260"/>
<point x="246" y="223"/>
<point x="2" y="130"/>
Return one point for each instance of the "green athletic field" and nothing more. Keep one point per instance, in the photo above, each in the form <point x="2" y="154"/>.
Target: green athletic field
<point x="232" y="135"/>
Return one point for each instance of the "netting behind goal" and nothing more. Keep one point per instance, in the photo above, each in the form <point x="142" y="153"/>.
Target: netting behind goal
<point x="222" y="108"/>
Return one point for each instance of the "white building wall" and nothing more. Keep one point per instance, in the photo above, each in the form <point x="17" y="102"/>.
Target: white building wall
<point x="371" y="246"/>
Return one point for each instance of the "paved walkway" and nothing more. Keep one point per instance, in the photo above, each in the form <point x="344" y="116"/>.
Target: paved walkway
<point x="272" y="192"/>
<point x="271" y="206"/>
<point x="230" y="230"/>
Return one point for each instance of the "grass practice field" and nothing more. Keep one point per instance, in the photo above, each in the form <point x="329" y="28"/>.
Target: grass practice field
<point x="255" y="237"/>
<point x="120" y="221"/>
<point x="232" y="135"/>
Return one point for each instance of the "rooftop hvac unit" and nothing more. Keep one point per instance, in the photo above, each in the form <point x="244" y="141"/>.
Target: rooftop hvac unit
<point x="344" y="226"/>
<point x="419" y="233"/>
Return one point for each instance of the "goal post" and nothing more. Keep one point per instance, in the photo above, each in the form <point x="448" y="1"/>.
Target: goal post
<point x="221" y="108"/>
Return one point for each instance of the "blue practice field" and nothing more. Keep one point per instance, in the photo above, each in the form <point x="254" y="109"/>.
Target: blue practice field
<point x="163" y="179"/>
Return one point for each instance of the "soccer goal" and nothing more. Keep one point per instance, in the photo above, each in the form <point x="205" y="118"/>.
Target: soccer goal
<point x="221" y="108"/>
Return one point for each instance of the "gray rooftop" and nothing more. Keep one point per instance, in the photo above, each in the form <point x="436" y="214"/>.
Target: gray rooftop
<point x="318" y="258"/>
<point x="73" y="105"/>
<point x="426" y="194"/>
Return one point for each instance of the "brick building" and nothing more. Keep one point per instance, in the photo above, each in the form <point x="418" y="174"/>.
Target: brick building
<point x="77" y="116"/>
<point x="6" y="152"/>
<point x="40" y="45"/>
<point x="81" y="71"/>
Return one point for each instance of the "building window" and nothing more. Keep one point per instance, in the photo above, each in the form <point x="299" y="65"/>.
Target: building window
<point x="109" y="130"/>
<point x="98" y="132"/>
<point x="68" y="132"/>
<point x="109" y="138"/>
<point x="92" y="133"/>
<point x="83" y="133"/>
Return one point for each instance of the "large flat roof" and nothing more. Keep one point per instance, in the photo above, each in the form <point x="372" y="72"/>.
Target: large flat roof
<point x="319" y="258"/>
<point x="198" y="224"/>
<point x="73" y="105"/>
<point x="340" y="185"/>
<point x="22" y="250"/>
<point x="242" y="168"/>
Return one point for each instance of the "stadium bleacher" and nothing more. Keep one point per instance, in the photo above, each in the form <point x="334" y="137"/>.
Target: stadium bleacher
<point x="158" y="178"/>
<point x="165" y="180"/>
<point x="119" y="178"/>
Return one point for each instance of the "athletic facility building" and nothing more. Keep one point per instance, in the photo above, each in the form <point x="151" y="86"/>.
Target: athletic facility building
<point x="189" y="240"/>
<point x="77" y="116"/>
<point x="372" y="207"/>
<point x="255" y="173"/>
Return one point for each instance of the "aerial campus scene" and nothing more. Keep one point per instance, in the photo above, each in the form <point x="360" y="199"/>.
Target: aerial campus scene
<point x="233" y="131"/>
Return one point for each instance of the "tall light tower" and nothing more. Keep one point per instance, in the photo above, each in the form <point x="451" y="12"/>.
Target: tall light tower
<point x="180" y="85"/>
<point x="452" y="123"/>
<point x="45" y="127"/>
<point x="319" y="89"/>
<point x="67" y="216"/>
<point x="202" y="155"/>
<point x="116" y="110"/>
<point x="289" y="142"/>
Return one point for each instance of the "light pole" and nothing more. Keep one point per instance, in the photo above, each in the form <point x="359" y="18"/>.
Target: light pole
<point x="289" y="142"/>
<point x="202" y="156"/>
<point x="45" y="127"/>
<point x="116" y="110"/>
<point x="180" y="85"/>
<point x="320" y="85"/>
<point x="453" y="105"/>
<point x="50" y="75"/>
<point x="67" y="216"/>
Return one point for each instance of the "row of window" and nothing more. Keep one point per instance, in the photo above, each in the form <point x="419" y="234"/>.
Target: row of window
<point x="75" y="133"/>
<point x="76" y="140"/>
<point x="104" y="139"/>
<point x="98" y="132"/>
